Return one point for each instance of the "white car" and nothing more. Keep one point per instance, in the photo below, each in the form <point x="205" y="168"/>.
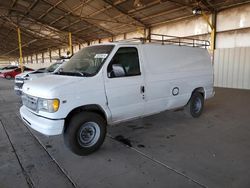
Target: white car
<point x="110" y="83"/>
<point x="22" y="78"/>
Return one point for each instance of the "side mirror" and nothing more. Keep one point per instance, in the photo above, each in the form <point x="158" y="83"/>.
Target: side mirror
<point x="118" y="70"/>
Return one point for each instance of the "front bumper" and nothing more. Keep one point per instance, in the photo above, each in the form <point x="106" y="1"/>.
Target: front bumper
<point x="18" y="86"/>
<point x="43" y="125"/>
<point x="18" y="91"/>
<point x="209" y="93"/>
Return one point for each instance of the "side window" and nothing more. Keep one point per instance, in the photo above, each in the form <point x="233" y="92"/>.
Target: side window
<point x="124" y="63"/>
<point x="18" y="70"/>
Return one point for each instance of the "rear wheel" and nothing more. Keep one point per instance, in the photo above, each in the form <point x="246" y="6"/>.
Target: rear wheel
<point x="85" y="133"/>
<point x="195" y="105"/>
<point x="8" y="77"/>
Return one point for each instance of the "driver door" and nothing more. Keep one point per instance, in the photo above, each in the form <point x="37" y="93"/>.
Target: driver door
<point x="125" y="89"/>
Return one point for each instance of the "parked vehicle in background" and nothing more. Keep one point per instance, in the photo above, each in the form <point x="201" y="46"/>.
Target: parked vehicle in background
<point x="110" y="83"/>
<point x="8" y="68"/>
<point x="12" y="73"/>
<point x="28" y="76"/>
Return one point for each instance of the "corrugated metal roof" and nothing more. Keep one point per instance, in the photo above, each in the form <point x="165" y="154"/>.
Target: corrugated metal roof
<point x="45" y="23"/>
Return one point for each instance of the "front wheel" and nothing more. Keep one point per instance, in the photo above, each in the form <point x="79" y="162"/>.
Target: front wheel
<point x="85" y="133"/>
<point x="195" y="105"/>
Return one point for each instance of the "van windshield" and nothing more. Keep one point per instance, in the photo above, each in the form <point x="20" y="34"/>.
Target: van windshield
<point x="53" y="67"/>
<point x="87" y="62"/>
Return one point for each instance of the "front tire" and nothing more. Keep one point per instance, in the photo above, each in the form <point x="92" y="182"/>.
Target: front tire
<point x="195" y="105"/>
<point x="85" y="133"/>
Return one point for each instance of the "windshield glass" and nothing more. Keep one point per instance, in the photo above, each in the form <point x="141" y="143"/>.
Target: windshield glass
<point x="53" y="67"/>
<point x="88" y="61"/>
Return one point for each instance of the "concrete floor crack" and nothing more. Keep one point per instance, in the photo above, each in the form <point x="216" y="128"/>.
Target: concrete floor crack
<point x="53" y="159"/>
<point x="160" y="163"/>
<point x="27" y="178"/>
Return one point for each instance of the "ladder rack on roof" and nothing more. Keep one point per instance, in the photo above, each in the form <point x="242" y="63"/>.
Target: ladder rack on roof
<point x="168" y="39"/>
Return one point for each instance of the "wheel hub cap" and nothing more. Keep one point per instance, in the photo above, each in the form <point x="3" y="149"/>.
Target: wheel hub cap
<point x="88" y="134"/>
<point x="197" y="105"/>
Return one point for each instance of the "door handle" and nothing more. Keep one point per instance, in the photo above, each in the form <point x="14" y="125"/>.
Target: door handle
<point x="142" y="89"/>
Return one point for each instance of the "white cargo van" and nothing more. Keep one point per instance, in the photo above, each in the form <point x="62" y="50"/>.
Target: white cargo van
<point x="110" y="83"/>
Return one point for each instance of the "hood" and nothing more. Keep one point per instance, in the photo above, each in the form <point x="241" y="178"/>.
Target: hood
<point x="24" y="74"/>
<point x="30" y="74"/>
<point x="38" y="75"/>
<point x="47" y="86"/>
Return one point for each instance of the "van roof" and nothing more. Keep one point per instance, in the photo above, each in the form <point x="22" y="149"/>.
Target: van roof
<point x="156" y="39"/>
<point x="118" y="43"/>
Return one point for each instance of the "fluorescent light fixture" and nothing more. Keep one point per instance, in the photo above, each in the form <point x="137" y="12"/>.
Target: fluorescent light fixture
<point x="197" y="11"/>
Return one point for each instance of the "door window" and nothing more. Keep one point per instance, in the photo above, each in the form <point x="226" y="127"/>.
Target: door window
<point x="124" y="63"/>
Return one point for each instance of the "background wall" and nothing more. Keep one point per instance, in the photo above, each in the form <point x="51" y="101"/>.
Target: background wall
<point x="4" y="63"/>
<point x="232" y="67"/>
<point x="232" y="44"/>
<point x="233" y="27"/>
<point x="232" y="54"/>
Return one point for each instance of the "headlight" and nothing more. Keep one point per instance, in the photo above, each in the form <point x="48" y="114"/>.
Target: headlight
<point x="48" y="105"/>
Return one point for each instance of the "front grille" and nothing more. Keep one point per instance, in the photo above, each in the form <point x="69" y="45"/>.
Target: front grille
<point x="19" y="79"/>
<point x="19" y="85"/>
<point x="29" y="101"/>
<point x="19" y="82"/>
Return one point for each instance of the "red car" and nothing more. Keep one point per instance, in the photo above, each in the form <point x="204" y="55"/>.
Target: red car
<point x="12" y="73"/>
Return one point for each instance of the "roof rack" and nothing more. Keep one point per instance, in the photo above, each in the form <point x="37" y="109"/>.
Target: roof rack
<point x="168" y="39"/>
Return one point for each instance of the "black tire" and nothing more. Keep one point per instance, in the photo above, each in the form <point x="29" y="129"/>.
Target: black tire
<point x="195" y="105"/>
<point x="82" y="126"/>
<point x="8" y="77"/>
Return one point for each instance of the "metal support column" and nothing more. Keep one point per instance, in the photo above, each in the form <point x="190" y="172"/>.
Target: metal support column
<point x="125" y="36"/>
<point x="20" y="49"/>
<point x="212" y="27"/>
<point x="42" y="57"/>
<point x="149" y="34"/>
<point x="70" y="44"/>
<point x="50" y="58"/>
<point x="213" y="35"/>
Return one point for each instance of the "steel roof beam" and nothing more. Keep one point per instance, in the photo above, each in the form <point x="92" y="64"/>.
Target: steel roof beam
<point x="181" y="3"/>
<point x="106" y="8"/>
<point x="125" y="13"/>
<point x="77" y="16"/>
<point x="208" y="5"/>
<point x="163" y="13"/>
<point x="49" y="10"/>
<point x="224" y="6"/>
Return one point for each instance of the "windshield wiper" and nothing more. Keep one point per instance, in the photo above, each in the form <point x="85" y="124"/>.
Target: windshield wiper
<point x="80" y="73"/>
<point x="76" y="73"/>
<point x="83" y="73"/>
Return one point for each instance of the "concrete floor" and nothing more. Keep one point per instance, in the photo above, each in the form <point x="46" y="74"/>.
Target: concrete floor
<point x="168" y="149"/>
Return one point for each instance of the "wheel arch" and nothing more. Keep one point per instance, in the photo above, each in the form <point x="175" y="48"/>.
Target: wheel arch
<point x="200" y="90"/>
<point x="86" y="108"/>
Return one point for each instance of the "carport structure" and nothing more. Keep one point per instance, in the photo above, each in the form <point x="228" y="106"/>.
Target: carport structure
<point x="45" y="24"/>
<point x="163" y="150"/>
